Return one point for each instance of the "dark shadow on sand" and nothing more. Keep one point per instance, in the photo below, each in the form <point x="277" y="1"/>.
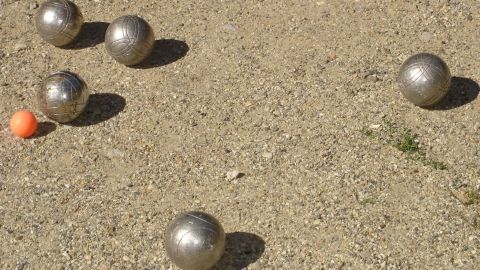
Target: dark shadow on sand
<point x="241" y="250"/>
<point x="100" y="108"/>
<point x="462" y="91"/>
<point x="44" y="128"/>
<point x="165" y="51"/>
<point x="92" y="34"/>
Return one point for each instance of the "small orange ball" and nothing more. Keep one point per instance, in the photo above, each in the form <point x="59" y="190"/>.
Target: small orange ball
<point x="23" y="124"/>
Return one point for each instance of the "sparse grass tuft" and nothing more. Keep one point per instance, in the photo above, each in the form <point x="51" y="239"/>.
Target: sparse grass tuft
<point x="368" y="132"/>
<point x="404" y="140"/>
<point x="367" y="201"/>
<point x="422" y="158"/>
<point x="408" y="143"/>
<point x="473" y="196"/>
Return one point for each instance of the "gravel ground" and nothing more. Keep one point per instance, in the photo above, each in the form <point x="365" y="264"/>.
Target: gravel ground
<point x="281" y="118"/>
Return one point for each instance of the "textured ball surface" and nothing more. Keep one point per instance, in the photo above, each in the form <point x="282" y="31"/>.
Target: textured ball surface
<point x="23" y="124"/>
<point x="195" y="241"/>
<point x="129" y="40"/>
<point x="424" y="79"/>
<point x="63" y="96"/>
<point x="58" y="22"/>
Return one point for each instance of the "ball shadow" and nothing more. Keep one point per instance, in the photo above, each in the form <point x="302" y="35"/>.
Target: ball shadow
<point x="92" y="34"/>
<point x="462" y="91"/>
<point x="241" y="250"/>
<point x="44" y="128"/>
<point x="100" y="108"/>
<point x="165" y="51"/>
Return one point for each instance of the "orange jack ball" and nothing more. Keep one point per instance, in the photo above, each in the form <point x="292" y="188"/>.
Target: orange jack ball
<point x="23" y="124"/>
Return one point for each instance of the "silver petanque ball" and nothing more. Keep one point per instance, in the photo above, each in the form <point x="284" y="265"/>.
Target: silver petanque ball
<point x="58" y="22"/>
<point x="424" y="79"/>
<point x="195" y="241"/>
<point x="62" y="96"/>
<point x="129" y="40"/>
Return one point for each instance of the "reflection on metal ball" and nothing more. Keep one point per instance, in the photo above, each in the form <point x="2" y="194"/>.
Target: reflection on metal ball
<point x="63" y="96"/>
<point x="195" y="241"/>
<point x="129" y="40"/>
<point x="424" y="79"/>
<point x="59" y="22"/>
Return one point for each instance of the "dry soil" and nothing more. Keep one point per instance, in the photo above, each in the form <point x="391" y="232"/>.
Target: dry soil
<point x="281" y="118"/>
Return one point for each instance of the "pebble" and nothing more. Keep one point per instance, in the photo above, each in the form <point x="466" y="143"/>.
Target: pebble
<point x="372" y="78"/>
<point x="33" y="5"/>
<point x="331" y="56"/>
<point x="233" y="175"/>
<point x="114" y="153"/>
<point x="268" y="155"/>
<point x="426" y="36"/>
<point x="21" y="266"/>
<point x="229" y="28"/>
<point x="19" y="47"/>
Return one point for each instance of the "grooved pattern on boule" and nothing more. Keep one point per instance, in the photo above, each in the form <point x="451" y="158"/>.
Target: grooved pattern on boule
<point x="195" y="241"/>
<point x="59" y="22"/>
<point x="62" y="96"/>
<point x="424" y="79"/>
<point x="129" y="40"/>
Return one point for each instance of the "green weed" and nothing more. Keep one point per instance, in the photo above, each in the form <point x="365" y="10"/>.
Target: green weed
<point x="405" y="141"/>
<point x="473" y="196"/>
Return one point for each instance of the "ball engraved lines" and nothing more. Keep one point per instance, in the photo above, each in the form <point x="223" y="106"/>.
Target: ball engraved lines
<point x="130" y="34"/>
<point x="62" y="8"/>
<point x="69" y="105"/>
<point x="58" y="21"/>
<point x="63" y="96"/>
<point x="207" y="227"/>
<point x="424" y="79"/>
<point x="129" y="40"/>
<point x="195" y="241"/>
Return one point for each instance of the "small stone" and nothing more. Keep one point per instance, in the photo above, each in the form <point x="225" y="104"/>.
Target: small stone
<point x="21" y="266"/>
<point x="66" y="255"/>
<point x="426" y="36"/>
<point x="369" y="75"/>
<point x="33" y="5"/>
<point x="331" y="56"/>
<point x="374" y="126"/>
<point x="267" y="155"/>
<point x="229" y="28"/>
<point x="114" y="153"/>
<point x="372" y="78"/>
<point x="19" y="47"/>
<point x="233" y="175"/>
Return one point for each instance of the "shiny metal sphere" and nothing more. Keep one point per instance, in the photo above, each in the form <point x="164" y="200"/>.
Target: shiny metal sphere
<point x="424" y="79"/>
<point x="195" y="241"/>
<point x="58" y="22"/>
<point x="63" y="96"/>
<point x="129" y="40"/>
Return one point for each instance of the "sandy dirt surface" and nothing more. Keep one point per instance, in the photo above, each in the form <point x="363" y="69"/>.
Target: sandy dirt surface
<point x="335" y="169"/>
